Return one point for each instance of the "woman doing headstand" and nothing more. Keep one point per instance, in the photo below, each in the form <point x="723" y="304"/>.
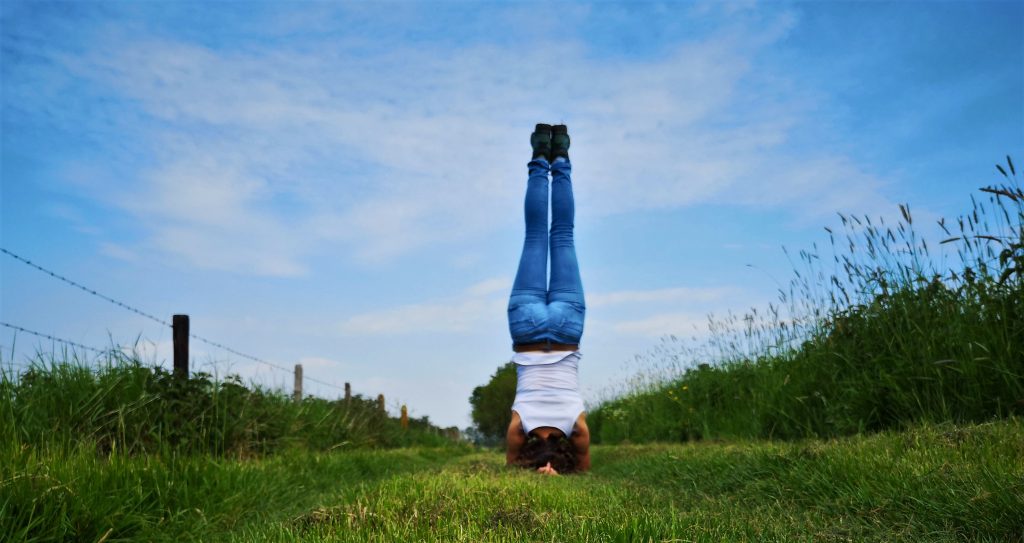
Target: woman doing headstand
<point x="548" y="431"/>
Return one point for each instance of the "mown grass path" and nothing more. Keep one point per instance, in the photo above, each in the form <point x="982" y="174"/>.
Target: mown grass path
<point x="934" y="484"/>
<point x="940" y="483"/>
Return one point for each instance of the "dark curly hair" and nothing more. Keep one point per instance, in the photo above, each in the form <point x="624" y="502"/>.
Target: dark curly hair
<point x="558" y="450"/>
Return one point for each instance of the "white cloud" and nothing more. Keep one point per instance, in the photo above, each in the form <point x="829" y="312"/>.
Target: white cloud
<point x="264" y="156"/>
<point x="118" y="251"/>
<point x="321" y="363"/>
<point x="486" y="301"/>
<point x="665" y="295"/>
<point x="479" y="303"/>
<point x="815" y="187"/>
<point x="74" y="217"/>
<point x="664" y="324"/>
<point x="458" y="315"/>
<point x="491" y="286"/>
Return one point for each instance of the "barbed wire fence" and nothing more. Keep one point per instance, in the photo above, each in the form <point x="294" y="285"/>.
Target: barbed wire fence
<point x="69" y="343"/>
<point x="180" y="328"/>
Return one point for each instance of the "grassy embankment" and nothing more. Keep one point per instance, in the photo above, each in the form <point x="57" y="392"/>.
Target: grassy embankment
<point x="878" y="333"/>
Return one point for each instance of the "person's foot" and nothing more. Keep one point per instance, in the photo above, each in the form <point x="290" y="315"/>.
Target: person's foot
<point x="559" y="142"/>
<point x="540" y="140"/>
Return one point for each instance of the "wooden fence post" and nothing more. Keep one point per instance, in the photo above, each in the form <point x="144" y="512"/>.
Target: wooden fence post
<point x="348" y="392"/>
<point x="179" y="327"/>
<point x="380" y="402"/>
<point x="405" y="418"/>
<point x="298" y="383"/>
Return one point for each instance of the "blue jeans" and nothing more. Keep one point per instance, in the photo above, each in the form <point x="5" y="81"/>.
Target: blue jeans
<point x="538" y="312"/>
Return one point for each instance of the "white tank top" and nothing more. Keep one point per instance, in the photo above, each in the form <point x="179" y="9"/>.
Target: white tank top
<point x="547" y="390"/>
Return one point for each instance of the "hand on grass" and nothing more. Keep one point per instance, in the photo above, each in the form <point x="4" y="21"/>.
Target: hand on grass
<point x="547" y="470"/>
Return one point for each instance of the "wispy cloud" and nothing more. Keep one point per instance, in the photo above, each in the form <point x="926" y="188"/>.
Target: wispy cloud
<point x="118" y="251"/>
<point x="262" y="156"/>
<point x="666" y="295"/>
<point x="664" y="324"/>
<point x="481" y="303"/>
<point x="484" y="304"/>
<point x="74" y="217"/>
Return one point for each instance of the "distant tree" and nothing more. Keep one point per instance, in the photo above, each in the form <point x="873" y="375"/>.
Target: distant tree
<point x="492" y="403"/>
<point x="474" y="436"/>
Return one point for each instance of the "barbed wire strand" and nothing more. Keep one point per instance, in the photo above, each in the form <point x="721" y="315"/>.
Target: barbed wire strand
<point x="84" y="288"/>
<point x="212" y="343"/>
<point x="144" y="314"/>
<point x="261" y="361"/>
<point x="52" y="338"/>
<point x="325" y="383"/>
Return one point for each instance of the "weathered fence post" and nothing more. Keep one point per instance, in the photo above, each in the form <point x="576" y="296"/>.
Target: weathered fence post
<point x="179" y="327"/>
<point x="405" y="418"/>
<point x="348" y="392"/>
<point x="298" y="383"/>
<point x="380" y="402"/>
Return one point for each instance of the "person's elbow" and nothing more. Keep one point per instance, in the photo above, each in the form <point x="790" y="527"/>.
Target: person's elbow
<point x="583" y="461"/>
<point x="514" y="440"/>
<point x="581" y="442"/>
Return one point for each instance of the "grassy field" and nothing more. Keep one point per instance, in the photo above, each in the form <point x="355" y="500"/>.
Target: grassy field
<point x="934" y="483"/>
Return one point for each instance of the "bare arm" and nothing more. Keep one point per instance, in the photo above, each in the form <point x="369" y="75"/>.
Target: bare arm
<point x="514" y="439"/>
<point x="581" y="441"/>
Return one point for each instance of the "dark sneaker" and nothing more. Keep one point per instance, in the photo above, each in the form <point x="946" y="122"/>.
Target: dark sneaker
<point x="559" y="142"/>
<point x="540" y="140"/>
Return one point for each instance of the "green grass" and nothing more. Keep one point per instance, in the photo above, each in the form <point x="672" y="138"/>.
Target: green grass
<point x="935" y="483"/>
<point x="112" y="449"/>
<point x="118" y="404"/>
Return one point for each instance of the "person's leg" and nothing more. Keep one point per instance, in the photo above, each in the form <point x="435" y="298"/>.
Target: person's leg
<point x="527" y="311"/>
<point x="565" y="294"/>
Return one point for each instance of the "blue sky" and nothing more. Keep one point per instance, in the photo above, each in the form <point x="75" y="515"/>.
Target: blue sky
<point x="340" y="184"/>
